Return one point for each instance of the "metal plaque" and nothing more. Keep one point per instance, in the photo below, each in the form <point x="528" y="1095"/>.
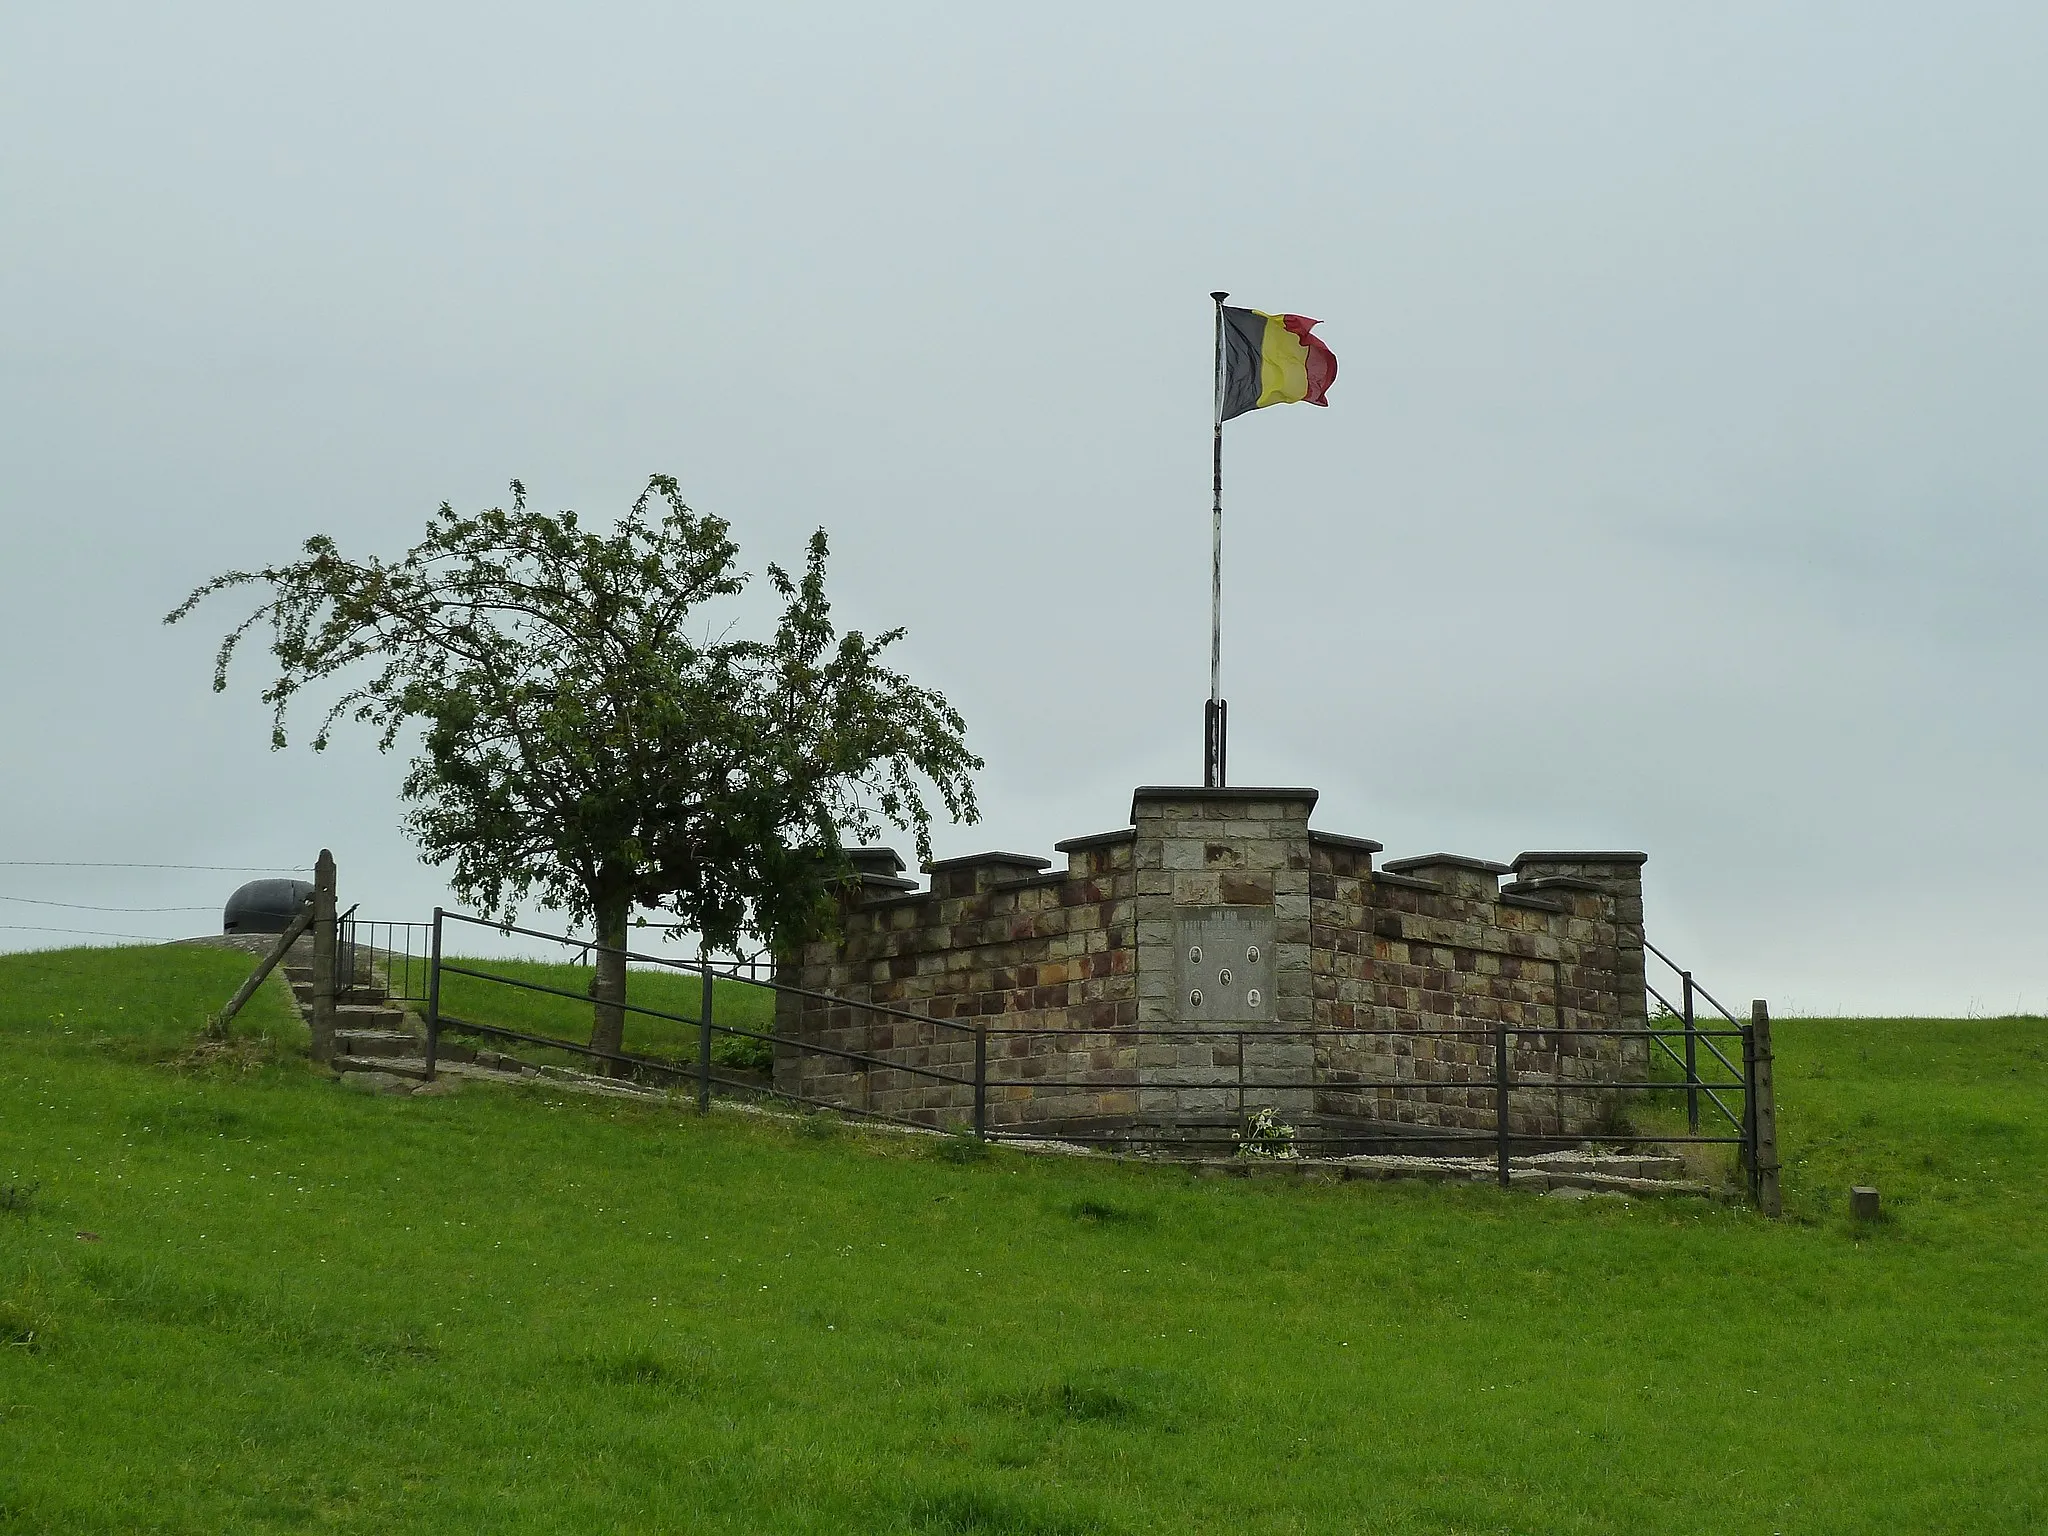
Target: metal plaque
<point x="1224" y="966"/>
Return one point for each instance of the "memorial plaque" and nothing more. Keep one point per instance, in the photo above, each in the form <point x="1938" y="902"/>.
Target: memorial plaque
<point x="1225" y="966"/>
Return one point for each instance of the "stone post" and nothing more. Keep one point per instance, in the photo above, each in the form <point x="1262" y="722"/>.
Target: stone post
<point x="323" y="958"/>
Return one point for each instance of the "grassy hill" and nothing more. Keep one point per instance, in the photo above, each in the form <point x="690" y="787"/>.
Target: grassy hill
<point x="234" y="1298"/>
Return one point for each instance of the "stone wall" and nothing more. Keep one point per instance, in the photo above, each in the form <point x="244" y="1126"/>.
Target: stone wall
<point x="1154" y="982"/>
<point x="1046" y="962"/>
<point x="1437" y="942"/>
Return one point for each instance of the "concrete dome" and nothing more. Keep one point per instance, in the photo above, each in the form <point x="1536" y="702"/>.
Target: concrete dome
<point x="265" y="906"/>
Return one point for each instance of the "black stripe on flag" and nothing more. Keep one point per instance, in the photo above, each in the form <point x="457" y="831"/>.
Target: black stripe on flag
<point x="1244" y="347"/>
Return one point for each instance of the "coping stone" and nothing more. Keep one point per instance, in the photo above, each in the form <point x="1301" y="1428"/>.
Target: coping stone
<point x="875" y="859"/>
<point x="1579" y="858"/>
<point x="1552" y="883"/>
<point x="1339" y="840"/>
<point x="1228" y="792"/>
<point x="1021" y="860"/>
<point x="1406" y="882"/>
<point x="1454" y="860"/>
<point x="1096" y="840"/>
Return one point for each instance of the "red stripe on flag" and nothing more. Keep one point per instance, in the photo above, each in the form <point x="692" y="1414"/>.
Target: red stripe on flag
<point x="1322" y="362"/>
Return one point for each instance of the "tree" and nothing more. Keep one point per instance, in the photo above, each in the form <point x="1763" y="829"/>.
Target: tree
<point x="586" y="742"/>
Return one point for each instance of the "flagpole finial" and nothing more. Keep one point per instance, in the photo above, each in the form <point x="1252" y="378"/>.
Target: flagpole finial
<point x="1219" y="297"/>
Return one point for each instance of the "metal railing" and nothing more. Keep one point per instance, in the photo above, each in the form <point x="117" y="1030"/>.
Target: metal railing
<point x="1498" y="1081"/>
<point x="1491" y="1079"/>
<point x="700" y="1069"/>
<point x="1758" y="1144"/>
<point x="371" y="953"/>
<point x="1689" y="1030"/>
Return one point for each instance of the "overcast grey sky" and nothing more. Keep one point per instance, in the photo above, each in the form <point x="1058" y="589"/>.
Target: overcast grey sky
<point x="1681" y="488"/>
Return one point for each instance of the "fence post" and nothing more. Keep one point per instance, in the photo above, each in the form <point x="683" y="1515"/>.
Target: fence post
<point x="1769" y="1198"/>
<point x="323" y="958"/>
<point x="434" y="997"/>
<point x="704" y="1033"/>
<point x="217" y="1026"/>
<point x="981" y="1078"/>
<point x="1500" y="1101"/>
<point x="1692" y="1066"/>
<point x="1745" y="1153"/>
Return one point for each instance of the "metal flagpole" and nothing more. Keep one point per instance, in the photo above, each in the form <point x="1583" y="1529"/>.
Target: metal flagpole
<point x="1216" y="714"/>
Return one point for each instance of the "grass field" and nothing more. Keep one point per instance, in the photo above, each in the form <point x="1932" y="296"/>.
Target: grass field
<point x="305" y="1310"/>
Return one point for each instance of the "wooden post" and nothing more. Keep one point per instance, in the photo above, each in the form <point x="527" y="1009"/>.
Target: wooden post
<point x="434" y="1001"/>
<point x="218" y="1028"/>
<point x="1769" y="1198"/>
<point x="323" y="958"/>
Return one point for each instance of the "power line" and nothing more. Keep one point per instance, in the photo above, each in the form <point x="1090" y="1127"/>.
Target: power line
<point x="80" y="906"/>
<point x="217" y="869"/>
<point x="90" y="933"/>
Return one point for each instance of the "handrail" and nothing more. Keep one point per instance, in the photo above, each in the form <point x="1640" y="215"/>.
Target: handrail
<point x="677" y="1018"/>
<point x="699" y="967"/>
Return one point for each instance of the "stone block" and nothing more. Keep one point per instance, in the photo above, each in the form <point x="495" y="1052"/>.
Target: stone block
<point x="1232" y="888"/>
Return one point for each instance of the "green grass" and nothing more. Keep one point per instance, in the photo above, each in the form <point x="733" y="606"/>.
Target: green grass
<point x="673" y="993"/>
<point x="505" y="1312"/>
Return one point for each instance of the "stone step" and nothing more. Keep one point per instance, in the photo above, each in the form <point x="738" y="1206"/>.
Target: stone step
<point x="366" y="994"/>
<point x="377" y="1042"/>
<point x="1581" y="1188"/>
<point x="396" y="1043"/>
<point x="1619" y="1164"/>
<point x="1453" y="1169"/>
<point x="398" y="1066"/>
<point x="368" y="1016"/>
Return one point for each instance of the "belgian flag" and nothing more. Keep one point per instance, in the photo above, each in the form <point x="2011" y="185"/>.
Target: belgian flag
<point x="1270" y="360"/>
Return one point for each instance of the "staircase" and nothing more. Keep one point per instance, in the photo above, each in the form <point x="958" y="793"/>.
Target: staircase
<point x="380" y="1045"/>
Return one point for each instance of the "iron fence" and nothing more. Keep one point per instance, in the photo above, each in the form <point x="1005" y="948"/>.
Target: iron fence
<point x="1720" y="1087"/>
<point x="375" y="953"/>
<point x="1500" y="1086"/>
<point x="1696" y="1086"/>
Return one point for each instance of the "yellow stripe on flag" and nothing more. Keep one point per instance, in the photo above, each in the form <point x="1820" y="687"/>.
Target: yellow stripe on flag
<point x="1283" y="365"/>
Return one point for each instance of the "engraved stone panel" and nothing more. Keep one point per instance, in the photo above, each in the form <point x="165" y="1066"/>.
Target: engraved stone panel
<point x="1224" y="966"/>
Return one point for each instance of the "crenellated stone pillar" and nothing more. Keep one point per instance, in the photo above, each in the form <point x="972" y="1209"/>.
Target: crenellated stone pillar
<point x="1223" y="951"/>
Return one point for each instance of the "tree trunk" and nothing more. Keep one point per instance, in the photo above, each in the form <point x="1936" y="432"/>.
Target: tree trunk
<point x="608" y="980"/>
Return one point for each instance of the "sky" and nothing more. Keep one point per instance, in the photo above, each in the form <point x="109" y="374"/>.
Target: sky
<point x="1680" y="489"/>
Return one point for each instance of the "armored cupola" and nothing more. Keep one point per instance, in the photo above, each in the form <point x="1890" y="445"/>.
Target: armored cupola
<point x="265" y="906"/>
